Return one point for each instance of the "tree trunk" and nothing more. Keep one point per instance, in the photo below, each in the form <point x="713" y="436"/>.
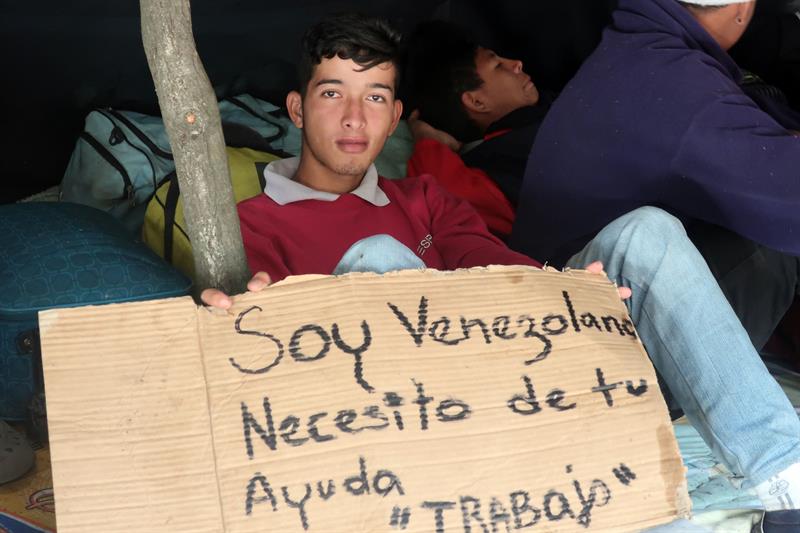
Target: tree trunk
<point x="191" y="116"/>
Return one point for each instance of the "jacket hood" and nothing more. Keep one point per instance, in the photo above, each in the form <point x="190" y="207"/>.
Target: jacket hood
<point x="670" y="20"/>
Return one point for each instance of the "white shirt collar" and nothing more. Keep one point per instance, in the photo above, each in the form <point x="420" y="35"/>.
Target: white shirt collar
<point x="281" y="188"/>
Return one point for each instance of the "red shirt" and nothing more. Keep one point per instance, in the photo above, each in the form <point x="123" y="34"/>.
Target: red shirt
<point x="310" y="236"/>
<point x="468" y="183"/>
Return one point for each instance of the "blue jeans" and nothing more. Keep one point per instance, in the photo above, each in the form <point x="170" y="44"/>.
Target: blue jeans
<point x="697" y="343"/>
<point x="380" y="254"/>
<point x="690" y="332"/>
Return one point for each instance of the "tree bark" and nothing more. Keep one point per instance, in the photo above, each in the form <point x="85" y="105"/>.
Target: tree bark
<point x="191" y="116"/>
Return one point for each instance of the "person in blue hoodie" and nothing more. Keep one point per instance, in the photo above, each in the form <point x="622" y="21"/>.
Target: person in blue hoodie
<point x="657" y="115"/>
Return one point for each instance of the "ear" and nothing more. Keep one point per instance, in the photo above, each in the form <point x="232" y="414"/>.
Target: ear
<point x="744" y="12"/>
<point x="473" y="102"/>
<point x="398" y="112"/>
<point x="294" y="105"/>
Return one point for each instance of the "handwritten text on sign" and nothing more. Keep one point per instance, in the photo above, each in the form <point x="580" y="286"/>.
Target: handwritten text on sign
<point x="477" y="403"/>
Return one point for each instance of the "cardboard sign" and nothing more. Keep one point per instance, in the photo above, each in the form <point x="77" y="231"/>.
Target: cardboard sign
<point x="488" y="400"/>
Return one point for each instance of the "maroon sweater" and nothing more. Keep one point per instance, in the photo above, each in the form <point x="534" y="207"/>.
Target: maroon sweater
<point x="311" y="236"/>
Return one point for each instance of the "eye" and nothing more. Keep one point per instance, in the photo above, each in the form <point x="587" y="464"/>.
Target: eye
<point x="376" y="98"/>
<point x="329" y="94"/>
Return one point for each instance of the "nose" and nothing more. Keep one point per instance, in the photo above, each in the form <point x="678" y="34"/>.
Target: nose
<point x="516" y="65"/>
<point x="353" y="117"/>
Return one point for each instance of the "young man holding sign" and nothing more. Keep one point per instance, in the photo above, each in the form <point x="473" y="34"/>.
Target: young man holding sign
<point x="328" y="211"/>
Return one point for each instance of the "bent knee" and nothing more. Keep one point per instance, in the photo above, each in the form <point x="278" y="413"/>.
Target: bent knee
<point x="378" y="253"/>
<point x="656" y="221"/>
<point x="379" y="239"/>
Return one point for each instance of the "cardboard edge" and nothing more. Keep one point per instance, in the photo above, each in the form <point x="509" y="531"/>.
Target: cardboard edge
<point x="207" y="406"/>
<point x="306" y="278"/>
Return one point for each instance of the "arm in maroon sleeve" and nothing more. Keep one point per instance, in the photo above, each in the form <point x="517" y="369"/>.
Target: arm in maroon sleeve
<point x="461" y="236"/>
<point x="470" y="184"/>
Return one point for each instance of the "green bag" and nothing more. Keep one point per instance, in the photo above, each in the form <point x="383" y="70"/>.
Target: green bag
<point x="164" y="226"/>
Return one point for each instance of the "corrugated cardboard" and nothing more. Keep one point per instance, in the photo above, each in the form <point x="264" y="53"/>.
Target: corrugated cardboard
<point x="476" y="401"/>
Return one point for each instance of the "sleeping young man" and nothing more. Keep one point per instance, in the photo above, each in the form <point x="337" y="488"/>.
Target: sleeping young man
<point x="328" y="211"/>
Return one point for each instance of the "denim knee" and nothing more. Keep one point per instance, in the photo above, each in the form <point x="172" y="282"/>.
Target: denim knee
<point x="655" y="224"/>
<point x="379" y="240"/>
<point x="656" y="220"/>
<point x="378" y="253"/>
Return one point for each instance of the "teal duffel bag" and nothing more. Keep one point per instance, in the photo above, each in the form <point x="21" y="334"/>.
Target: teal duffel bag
<point x="64" y="255"/>
<point x="120" y="159"/>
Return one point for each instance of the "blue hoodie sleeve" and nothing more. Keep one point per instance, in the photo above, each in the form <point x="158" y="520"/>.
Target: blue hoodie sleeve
<point x="738" y="168"/>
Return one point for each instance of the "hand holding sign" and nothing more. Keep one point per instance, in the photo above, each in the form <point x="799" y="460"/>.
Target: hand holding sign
<point x="597" y="268"/>
<point x="217" y="298"/>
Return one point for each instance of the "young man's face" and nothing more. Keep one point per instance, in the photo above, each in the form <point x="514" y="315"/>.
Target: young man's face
<point x="346" y="116"/>
<point x="506" y="87"/>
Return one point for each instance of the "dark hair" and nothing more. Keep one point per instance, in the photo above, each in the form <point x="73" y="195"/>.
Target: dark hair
<point x="368" y="41"/>
<point x="440" y="67"/>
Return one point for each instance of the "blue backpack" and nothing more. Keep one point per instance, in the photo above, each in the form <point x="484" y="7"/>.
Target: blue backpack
<point x="269" y="121"/>
<point x="120" y="158"/>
